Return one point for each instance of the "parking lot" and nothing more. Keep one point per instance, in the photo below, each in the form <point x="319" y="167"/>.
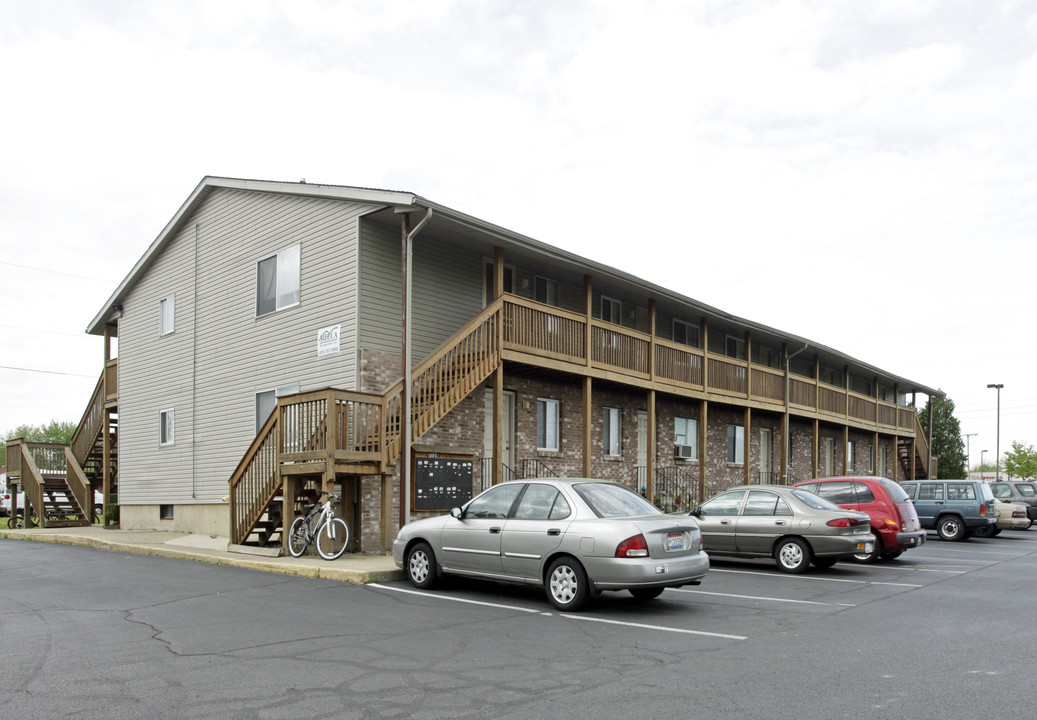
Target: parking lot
<point x="932" y="634"/>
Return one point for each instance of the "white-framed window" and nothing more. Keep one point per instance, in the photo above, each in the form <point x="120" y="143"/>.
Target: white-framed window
<point x="165" y="427"/>
<point x="851" y="456"/>
<point x="736" y="444"/>
<point x="686" y="438"/>
<point x="871" y="460"/>
<point x="611" y="310"/>
<point x="881" y="467"/>
<point x="277" y="281"/>
<point x="547" y="424"/>
<point x="266" y="401"/>
<point x="611" y="432"/>
<point x="546" y="291"/>
<point x="166" y="315"/>
<point x="685" y="333"/>
<point x="734" y="347"/>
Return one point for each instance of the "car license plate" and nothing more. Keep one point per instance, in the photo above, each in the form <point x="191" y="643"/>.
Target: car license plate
<point x="675" y="541"/>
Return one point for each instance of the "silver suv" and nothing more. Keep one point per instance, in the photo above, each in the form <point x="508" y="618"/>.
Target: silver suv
<point x="1017" y="491"/>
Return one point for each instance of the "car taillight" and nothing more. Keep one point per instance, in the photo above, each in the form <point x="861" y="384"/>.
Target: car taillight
<point x="844" y="522"/>
<point x="982" y="510"/>
<point x="633" y="547"/>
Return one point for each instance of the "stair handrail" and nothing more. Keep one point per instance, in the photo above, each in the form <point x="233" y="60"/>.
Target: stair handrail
<point x="30" y="480"/>
<point x="91" y="423"/>
<point x="78" y="485"/>
<point x="482" y="330"/>
<point x="262" y="450"/>
<point x="921" y="445"/>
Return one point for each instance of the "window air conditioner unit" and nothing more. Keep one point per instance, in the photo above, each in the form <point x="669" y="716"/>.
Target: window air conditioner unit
<point x="683" y="451"/>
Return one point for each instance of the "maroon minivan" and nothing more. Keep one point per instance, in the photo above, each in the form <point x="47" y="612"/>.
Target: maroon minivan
<point x="894" y="521"/>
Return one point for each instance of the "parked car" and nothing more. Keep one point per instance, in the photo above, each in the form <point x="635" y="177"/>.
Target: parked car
<point x="793" y="526"/>
<point x="1017" y="491"/>
<point x="574" y="537"/>
<point x="894" y="521"/>
<point x="1010" y="516"/>
<point x="956" y="509"/>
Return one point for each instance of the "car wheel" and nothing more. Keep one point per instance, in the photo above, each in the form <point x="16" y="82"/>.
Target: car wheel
<point x="985" y="531"/>
<point x="792" y="555"/>
<point x="567" y="586"/>
<point x="824" y="563"/>
<point x="892" y="554"/>
<point x="876" y="551"/>
<point x="950" y="527"/>
<point x="421" y="566"/>
<point x="646" y="593"/>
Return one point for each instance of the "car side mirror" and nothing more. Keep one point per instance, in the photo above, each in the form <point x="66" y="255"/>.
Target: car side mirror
<point x="457" y="513"/>
<point x="696" y="511"/>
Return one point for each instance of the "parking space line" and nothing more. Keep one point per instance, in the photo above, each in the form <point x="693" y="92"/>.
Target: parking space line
<point x="453" y="599"/>
<point x="570" y="616"/>
<point x="768" y="599"/>
<point x="662" y="628"/>
<point x="810" y="577"/>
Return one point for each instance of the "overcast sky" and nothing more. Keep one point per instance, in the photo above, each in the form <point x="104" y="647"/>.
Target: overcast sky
<point x="861" y="173"/>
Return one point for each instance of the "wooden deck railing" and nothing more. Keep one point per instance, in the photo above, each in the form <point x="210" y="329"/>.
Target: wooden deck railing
<point x="255" y="481"/>
<point x="93" y="421"/>
<point x="534" y="330"/>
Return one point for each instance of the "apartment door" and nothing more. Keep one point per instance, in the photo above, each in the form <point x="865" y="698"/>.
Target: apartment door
<point x="508" y="427"/>
<point x="766" y="456"/>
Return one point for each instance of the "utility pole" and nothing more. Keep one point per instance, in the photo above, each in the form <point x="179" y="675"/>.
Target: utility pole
<point x="968" y="455"/>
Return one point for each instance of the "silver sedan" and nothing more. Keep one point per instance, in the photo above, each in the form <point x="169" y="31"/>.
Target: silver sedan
<point x="574" y="537"/>
<point x="793" y="526"/>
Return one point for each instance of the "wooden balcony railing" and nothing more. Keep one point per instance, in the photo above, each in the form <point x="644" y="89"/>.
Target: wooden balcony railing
<point x="93" y="421"/>
<point x="534" y="330"/>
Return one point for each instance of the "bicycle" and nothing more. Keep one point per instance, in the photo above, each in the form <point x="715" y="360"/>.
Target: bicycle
<point x="319" y="525"/>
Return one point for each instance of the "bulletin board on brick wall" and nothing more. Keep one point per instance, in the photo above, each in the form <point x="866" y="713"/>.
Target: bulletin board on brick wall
<point x="441" y="482"/>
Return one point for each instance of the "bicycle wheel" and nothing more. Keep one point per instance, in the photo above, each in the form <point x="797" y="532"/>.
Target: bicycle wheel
<point x="332" y="539"/>
<point x="297" y="540"/>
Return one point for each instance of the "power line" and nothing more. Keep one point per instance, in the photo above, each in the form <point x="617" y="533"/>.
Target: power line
<point x="46" y="372"/>
<point x="54" y="272"/>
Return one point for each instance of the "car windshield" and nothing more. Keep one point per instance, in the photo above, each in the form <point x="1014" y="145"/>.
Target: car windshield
<point x="608" y="500"/>
<point x="811" y="500"/>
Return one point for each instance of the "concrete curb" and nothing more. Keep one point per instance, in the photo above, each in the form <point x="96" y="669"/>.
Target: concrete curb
<point x="346" y="569"/>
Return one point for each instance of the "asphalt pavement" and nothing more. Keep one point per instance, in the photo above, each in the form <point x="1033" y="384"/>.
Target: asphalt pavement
<point x="217" y="550"/>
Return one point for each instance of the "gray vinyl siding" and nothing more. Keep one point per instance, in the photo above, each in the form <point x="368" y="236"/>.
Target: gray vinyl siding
<point x="221" y="354"/>
<point x="447" y="287"/>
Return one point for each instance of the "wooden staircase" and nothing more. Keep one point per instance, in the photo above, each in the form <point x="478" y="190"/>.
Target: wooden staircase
<point x="919" y="468"/>
<point x="338" y="431"/>
<point x="59" y="480"/>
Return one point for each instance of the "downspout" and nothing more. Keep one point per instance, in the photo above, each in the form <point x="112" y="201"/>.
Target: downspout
<point x="194" y="369"/>
<point x="405" y="410"/>
<point x="785" y="438"/>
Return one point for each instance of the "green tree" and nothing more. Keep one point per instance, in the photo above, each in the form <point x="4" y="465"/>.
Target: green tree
<point x="1021" y="461"/>
<point x="56" y="431"/>
<point x="948" y="446"/>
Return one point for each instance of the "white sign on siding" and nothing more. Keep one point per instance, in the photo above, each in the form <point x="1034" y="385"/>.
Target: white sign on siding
<point x="327" y="340"/>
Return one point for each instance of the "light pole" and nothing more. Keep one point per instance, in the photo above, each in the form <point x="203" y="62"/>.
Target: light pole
<point x="997" y="449"/>
<point x="981" y="454"/>
<point x="968" y="455"/>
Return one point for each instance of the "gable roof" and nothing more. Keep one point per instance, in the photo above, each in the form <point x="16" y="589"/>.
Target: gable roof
<point x="467" y="227"/>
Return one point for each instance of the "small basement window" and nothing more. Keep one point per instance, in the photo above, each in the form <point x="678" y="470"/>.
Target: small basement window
<point x="165" y="512"/>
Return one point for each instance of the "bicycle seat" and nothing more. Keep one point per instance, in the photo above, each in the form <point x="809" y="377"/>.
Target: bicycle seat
<point x="307" y="508"/>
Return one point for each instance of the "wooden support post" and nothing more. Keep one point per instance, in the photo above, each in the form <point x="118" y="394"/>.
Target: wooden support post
<point x="747" y="446"/>
<point x="587" y="406"/>
<point x="703" y="447"/>
<point x="816" y="441"/>
<point x="386" y="521"/>
<point x="650" y="431"/>
<point x="287" y="506"/>
<point x="498" y="425"/>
